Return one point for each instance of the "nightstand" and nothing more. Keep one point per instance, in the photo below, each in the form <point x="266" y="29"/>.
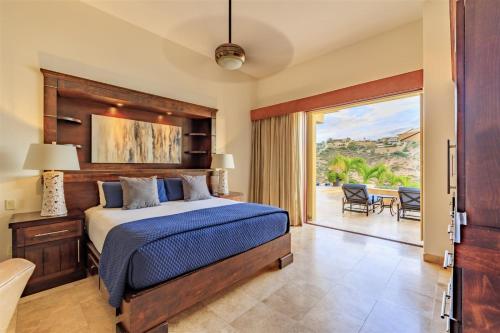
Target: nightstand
<point x="54" y="244"/>
<point x="236" y="196"/>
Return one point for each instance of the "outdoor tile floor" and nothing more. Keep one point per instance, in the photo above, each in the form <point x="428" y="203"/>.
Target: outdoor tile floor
<point x="329" y="213"/>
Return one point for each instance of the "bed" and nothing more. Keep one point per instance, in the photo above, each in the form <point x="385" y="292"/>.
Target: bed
<point x="146" y="305"/>
<point x="199" y="249"/>
<point x="144" y="247"/>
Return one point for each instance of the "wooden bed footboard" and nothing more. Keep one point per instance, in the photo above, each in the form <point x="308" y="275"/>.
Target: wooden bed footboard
<point x="150" y="309"/>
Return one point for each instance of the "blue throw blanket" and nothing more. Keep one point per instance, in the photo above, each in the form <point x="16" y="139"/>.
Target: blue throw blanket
<point x="126" y="239"/>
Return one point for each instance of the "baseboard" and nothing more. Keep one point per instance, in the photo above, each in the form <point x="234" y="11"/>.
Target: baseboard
<point x="433" y="259"/>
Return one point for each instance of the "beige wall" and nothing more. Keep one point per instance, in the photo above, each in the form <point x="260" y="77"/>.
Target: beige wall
<point x="438" y="124"/>
<point x="78" y="39"/>
<point x="394" y="52"/>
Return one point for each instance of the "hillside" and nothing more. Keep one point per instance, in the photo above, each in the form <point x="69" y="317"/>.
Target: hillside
<point x="401" y="155"/>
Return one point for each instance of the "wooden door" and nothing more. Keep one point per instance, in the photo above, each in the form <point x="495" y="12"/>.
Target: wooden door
<point x="482" y="112"/>
<point x="477" y="257"/>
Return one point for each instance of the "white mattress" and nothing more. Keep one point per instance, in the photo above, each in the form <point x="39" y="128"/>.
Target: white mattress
<point x="100" y="220"/>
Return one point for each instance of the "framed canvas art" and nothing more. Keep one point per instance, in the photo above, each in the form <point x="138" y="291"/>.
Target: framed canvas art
<point x="118" y="140"/>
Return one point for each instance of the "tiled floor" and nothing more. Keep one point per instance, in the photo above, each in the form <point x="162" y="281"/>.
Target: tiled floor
<point x="339" y="282"/>
<point x="329" y="213"/>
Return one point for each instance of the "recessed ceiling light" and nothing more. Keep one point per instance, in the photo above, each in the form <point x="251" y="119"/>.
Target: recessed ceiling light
<point x="119" y="105"/>
<point x="169" y="113"/>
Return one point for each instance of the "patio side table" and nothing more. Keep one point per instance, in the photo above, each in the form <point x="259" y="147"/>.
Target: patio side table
<point x="387" y="198"/>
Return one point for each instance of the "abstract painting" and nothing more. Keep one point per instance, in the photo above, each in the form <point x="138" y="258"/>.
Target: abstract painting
<point x="118" y="140"/>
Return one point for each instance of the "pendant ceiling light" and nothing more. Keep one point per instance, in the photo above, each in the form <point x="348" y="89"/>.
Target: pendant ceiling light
<point x="228" y="55"/>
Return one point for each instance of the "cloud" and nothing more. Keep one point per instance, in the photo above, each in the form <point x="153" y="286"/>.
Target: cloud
<point x="372" y="121"/>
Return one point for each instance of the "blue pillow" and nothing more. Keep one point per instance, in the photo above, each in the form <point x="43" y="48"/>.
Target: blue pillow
<point x="174" y="189"/>
<point x="162" y="192"/>
<point x="113" y="194"/>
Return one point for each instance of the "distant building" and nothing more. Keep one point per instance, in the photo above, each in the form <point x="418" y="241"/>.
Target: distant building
<point x="410" y="135"/>
<point x="393" y="140"/>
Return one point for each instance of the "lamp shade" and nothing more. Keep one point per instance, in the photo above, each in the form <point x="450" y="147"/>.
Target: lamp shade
<point x="51" y="157"/>
<point x="222" y="161"/>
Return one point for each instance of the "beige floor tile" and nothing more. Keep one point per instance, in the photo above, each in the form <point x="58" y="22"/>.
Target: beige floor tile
<point x="232" y="304"/>
<point x="370" y="283"/>
<point x="294" y="299"/>
<point x="262" y="318"/>
<point x="263" y="285"/>
<point x="346" y="300"/>
<point x="417" y="267"/>
<point x="201" y="321"/>
<point x="320" y="320"/>
<point x="99" y="315"/>
<point x="421" y="284"/>
<point x="67" y="319"/>
<point x="388" y="317"/>
<point x="49" y="292"/>
<point x="410" y="300"/>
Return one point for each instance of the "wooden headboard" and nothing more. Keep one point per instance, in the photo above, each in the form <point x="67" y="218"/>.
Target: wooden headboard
<point x="69" y="103"/>
<point x="80" y="188"/>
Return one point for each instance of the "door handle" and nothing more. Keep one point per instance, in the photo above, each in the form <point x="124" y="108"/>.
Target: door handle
<point x="449" y="164"/>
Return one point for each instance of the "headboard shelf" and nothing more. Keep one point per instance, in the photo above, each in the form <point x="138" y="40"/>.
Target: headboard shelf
<point x="72" y="144"/>
<point x="196" y="152"/>
<point x="64" y="118"/>
<point x="196" y="134"/>
<point x="79" y="88"/>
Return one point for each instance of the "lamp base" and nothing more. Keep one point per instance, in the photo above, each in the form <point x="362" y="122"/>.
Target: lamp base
<point x="214" y="182"/>
<point x="223" y="188"/>
<point x="53" y="202"/>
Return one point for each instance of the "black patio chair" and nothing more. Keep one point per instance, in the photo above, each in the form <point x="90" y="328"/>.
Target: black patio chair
<point x="357" y="198"/>
<point x="409" y="203"/>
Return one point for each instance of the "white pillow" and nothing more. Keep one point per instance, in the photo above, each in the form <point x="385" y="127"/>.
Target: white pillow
<point x="102" y="197"/>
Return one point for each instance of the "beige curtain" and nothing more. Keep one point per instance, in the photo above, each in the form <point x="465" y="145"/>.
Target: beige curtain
<point x="277" y="172"/>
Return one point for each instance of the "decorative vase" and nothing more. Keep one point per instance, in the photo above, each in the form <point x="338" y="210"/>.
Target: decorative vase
<point x="53" y="202"/>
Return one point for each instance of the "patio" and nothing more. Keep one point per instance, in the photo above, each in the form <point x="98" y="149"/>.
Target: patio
<point x="329" y="213"/>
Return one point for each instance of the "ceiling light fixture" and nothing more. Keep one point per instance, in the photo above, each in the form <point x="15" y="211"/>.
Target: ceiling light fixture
<point x="228" y="55"/>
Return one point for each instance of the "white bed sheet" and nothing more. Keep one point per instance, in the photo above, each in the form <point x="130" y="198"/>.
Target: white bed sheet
<point x="100" y="220"/>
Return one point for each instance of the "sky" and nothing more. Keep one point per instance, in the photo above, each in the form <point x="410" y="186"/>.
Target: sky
<point x="372" y="121"/>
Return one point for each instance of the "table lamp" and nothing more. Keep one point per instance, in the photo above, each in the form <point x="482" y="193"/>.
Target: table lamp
<point x="222" y="162"/>
<point x="52" y="157"/>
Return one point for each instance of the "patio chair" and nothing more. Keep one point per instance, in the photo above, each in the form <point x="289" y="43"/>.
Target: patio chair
<point x="409" y="202"/>
<point x="357" y="198"/>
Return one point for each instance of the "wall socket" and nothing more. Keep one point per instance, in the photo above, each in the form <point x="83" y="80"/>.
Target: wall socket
<point x="10" y="204"/>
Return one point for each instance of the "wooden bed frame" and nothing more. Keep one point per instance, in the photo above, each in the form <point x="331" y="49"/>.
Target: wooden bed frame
<point x="149" y="310"/>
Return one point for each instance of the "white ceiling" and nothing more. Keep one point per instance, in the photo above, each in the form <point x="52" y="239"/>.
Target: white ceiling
<point x="275" y="34"/>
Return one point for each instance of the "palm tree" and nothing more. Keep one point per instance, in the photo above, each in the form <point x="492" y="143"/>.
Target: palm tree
<point x="343" y="165"/>
<point x="408" y="181"/>
<point x="389" y="178"/>
<point x="367" y="172"/>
